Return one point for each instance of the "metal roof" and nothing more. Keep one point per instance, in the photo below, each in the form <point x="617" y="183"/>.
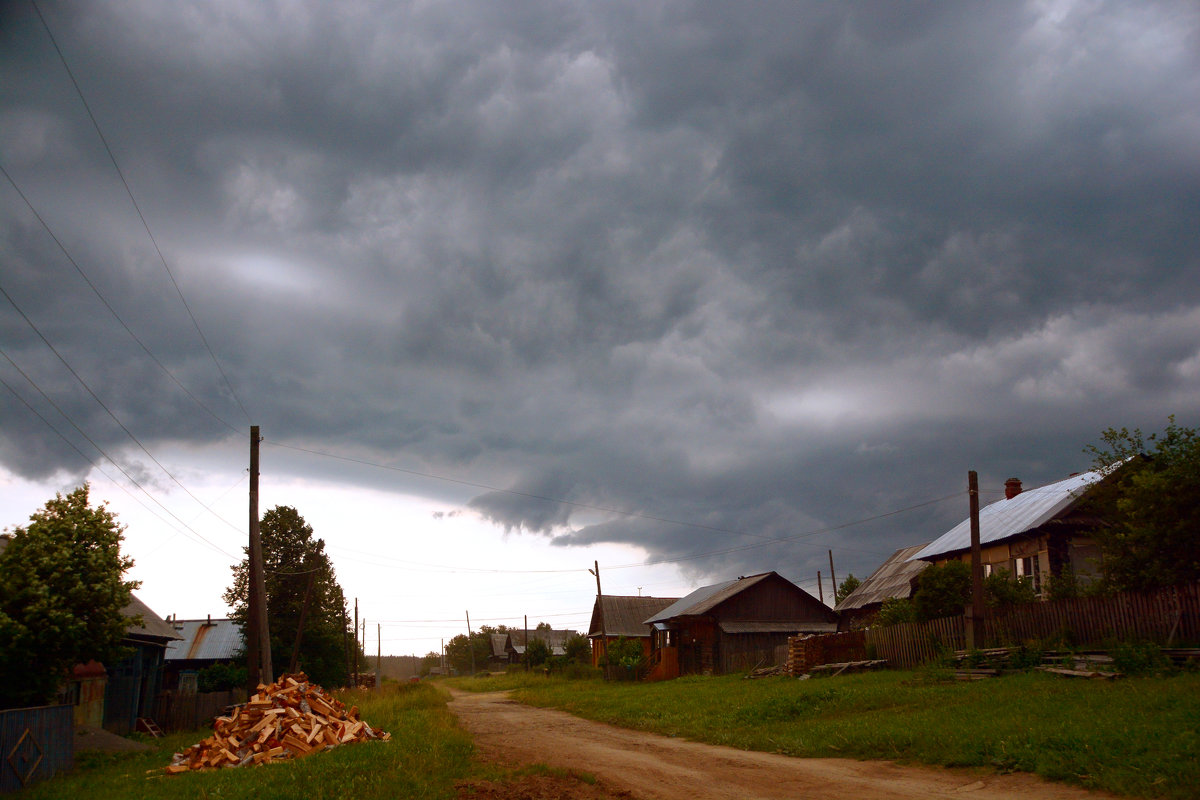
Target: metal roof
<point x="205" y="640"/>
<point x="706" y="598"/>
<point x="892" y="579"/>
<point x="500" y="645"/>
<point x="1030" y="509"/>
<point x="625" y="615"/>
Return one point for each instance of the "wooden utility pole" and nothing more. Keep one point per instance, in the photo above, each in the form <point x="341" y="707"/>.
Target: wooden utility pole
<point x="526" y="658"/>
<point x="832" y="577"/>
<point x="258" y="645"/>
<point x="356" y="642"/>
<point x="471" y="644"/>
<point x="975" y="618"/>
<point x="378" y="656"/>
<point x="600" y="608"/>
<point x="820" y="588"/>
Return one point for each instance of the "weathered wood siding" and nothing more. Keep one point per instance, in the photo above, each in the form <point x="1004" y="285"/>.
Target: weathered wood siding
<point x="35" y="744"/>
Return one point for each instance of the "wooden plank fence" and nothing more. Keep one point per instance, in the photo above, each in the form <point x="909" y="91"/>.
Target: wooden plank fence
<point x="35" y="744"/>
<point x="1167" y="617"/>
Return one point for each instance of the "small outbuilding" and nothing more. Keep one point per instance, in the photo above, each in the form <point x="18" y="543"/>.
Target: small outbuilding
<point x="894" y="578"/>
<point x="734" y="626"/>
<point x="623" y="617"/>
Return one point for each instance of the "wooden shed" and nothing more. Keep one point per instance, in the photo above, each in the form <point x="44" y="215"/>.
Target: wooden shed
<point x="734" y="626"/>
<point x="623" y="617"/>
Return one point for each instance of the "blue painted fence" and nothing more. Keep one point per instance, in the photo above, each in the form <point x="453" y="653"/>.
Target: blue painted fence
<point x="35" y="744"/>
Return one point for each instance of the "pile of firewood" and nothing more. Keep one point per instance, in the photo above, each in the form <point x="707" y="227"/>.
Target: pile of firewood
<point x="291" y="718"/>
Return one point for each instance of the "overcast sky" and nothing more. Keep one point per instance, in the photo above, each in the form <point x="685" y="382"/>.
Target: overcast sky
<point x="555" y="283"/>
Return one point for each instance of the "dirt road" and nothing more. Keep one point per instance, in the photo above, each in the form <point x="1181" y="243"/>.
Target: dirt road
<point x="651" y="767"/>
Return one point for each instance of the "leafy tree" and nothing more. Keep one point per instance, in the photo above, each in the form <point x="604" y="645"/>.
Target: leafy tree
<point x="578" y="649"/>
<point x="942" y="591"/>
<point x="291" y="557"/>
<point x="61" y="596"/>
<point x="221" y="677"/>
<point x="459" y="649"/>
<point x="627" y="653"/>
<point x="846" y="587"/>
<point x="896" y="610"/>
<point x="1151" y="503"/>
<point x="537" y="652"/>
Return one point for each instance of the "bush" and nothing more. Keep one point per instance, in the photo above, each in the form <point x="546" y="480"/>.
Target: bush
<point x="894" y="611"/>
<point x="1138" y="658"/>
<point x="221" y="678"/>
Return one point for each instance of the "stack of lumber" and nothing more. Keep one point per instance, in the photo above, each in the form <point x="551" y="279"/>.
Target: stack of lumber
<point x="291" y="718"/>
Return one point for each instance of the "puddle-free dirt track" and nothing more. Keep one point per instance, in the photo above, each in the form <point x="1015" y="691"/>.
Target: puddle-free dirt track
<point x="631" y="764"/>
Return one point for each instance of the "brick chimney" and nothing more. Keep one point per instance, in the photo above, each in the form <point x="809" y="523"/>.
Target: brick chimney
<point x="1012" y="488"/>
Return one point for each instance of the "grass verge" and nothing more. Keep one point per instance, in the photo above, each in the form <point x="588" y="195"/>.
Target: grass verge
<point x="1137" y="736"/>
<point x="427" y="754"/>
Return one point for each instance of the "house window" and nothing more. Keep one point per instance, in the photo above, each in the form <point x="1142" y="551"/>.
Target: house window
<point x="1029" y="567"/>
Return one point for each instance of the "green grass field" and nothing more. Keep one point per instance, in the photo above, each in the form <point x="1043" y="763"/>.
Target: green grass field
<point x="1137" y="736"/>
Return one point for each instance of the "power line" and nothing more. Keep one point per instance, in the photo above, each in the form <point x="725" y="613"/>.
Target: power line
<point x="108" y="305"/>
<point x="137" y="208"/>
<point x="99" y="449"/>
<point x="95" y="397"/>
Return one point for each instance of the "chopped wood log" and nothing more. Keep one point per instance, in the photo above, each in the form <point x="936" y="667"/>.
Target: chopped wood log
<point x="291" y="718"/>
<point x="1080" y="673"/>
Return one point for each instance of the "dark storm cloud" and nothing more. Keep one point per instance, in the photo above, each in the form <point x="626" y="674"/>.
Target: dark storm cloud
<point x="762" y="269"/>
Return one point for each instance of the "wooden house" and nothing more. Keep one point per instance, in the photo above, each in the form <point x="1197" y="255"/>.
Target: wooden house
<point x="134" y="682"/>
<point x="623" y="617"/>
<point x="556" y="640"/>
<point x="1031" y="533"/>
<point x="896" y="577"/>
<point x="733" y="626"/>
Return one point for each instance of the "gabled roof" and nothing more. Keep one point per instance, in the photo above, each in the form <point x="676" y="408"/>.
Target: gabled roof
<point x="625" y="615"/>
<point x="152" y="626"/>
<point x="205" y="640"/>
<point x="1030" y="509"/>
<point x="706" y="598"/>
<point x="500" y="645"/>
<point x="892" y="579"/>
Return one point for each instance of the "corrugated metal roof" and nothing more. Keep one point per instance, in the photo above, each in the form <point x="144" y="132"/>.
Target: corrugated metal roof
<point x="206" y="640"/>
<point x="778" y="627"/>
<point x="892" y="579"/>
<point x="625" y="615"/>
<point x="1009" y="517"/>
<point x="706" y="597"/>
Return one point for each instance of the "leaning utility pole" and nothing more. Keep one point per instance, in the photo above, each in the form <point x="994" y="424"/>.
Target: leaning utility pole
<point x="975" y="618"/>
<point x="600" y="608"/>
<point x="259" y="635"/>
<point x="820" y="589"/>
<point x="832" y="577"/>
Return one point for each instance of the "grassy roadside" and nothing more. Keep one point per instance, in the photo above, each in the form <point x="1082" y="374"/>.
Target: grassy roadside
<point x="1136" y="736"/>
<point x="427" y="754"/>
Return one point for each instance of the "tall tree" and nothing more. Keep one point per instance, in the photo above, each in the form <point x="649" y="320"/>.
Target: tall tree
<point x="291" y="559"/>
<point x="1151" y="503"/>
<point x="61" y="596"/>
<point x="846" y="587"/>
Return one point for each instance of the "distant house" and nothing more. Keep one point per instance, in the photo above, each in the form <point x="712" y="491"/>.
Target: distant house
<point x="733" y="626"/>
<point x="556" y="640"/>
<point x="894" y="578"/>
<point x="1032" y="533"/>
<point x="501" y="653"/>
<point x="202" y="643"/>
<point x="621" y="616"/>
<point x="134" y="682"/>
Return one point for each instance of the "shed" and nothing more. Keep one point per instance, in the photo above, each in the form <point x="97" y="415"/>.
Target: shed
<point x="134" y="682"/>
<point x="893" y="578"/>
<point x="202" y="643"/>
<point x="623" y="617"/>
<point x="733" y="626"/>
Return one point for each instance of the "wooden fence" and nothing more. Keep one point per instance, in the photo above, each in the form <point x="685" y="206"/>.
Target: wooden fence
<point x="35" y="744"/>
<point x="1169" y="617"/>
<point x="185" y="712"/>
